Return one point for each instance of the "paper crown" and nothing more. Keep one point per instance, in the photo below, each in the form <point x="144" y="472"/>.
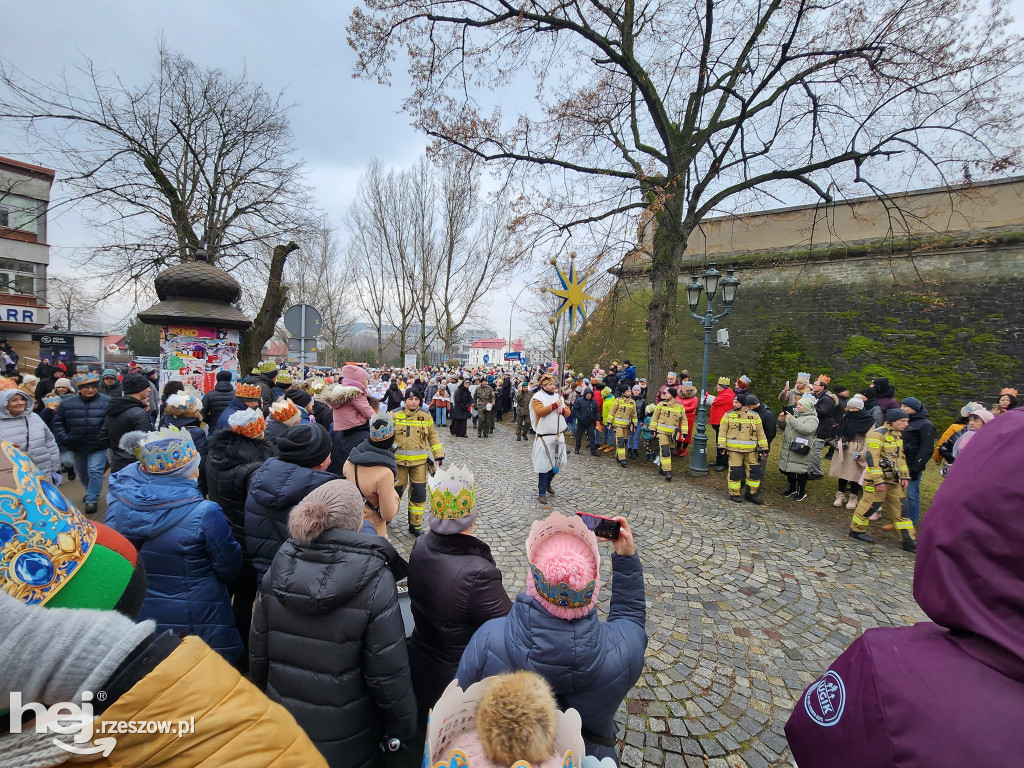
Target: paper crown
<point x="803" y="376"/>
<point x="1008" y="391"/>
<point x="182" y="403"/>
<point x="249" y="423"/>
<point x="317" y="384"/>
<point x="723" y="381"/>
<point x="284" y="377"/>
<point x="744" y="378"/>
<point x="248" y="391"/>
<point x="6" y="383"/>
<point x="43" y="538"/>
<point x="452" y="492"/>
<point x="453" y="718"/>
<point x="382" y="431"/>
<point x="970" y="408"/>
<point x="283" y="410"/>
<point x="85" y="378"/>
<point x="51" y="401"/>
<point x="824" y="379"/>
<point x="165" y="451"/>
<point x="265" y="366"/>
<point x="562" y="594"/>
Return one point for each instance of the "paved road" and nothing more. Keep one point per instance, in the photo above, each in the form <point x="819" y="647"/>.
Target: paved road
<point x="746" y="605"/>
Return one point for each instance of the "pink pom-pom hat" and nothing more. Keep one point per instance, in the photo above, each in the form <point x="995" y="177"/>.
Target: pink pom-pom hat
<point x="564" y="562"/>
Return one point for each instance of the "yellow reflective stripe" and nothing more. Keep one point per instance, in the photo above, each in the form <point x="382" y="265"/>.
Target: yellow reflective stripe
<point x="737" y="444"/>
<point x="858" y="520"/>
<point x="902" y="525"/>
<point x="409" y="455"/>
<point x="669" y="428"/>
<point x="435" y="448"/>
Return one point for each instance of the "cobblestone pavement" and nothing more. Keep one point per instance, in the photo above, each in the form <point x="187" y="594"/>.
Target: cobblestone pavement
<point x="745" y="605"/>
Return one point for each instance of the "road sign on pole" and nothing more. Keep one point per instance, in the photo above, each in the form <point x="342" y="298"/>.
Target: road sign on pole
<point x="304" y="321"/>
<point x="487" y="358"/>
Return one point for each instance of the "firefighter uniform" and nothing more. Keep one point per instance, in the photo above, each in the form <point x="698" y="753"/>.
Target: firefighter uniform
<point x="523" y="398"/>
<point x="886" y="464"/>
<point x="742" y="432"/>
<point x="483" y="397"/>
<point x="415" y="440"/>
<point x="668" y="423"/>
<point x="623" y="417"/>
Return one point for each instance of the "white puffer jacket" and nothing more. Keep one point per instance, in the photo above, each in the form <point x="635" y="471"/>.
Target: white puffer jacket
<point x="29" y="433"/>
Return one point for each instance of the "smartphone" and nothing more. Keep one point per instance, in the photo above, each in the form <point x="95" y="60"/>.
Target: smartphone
<point x="787" y="383"/>
<point x="603" y="527"/>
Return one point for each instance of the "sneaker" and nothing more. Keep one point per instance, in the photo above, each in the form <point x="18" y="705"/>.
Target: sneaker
<point x="91" y="509"/>
<point x="800" y="496"/>
<point x="853" y="502"/>
<point x="840" y="499"/>
<point x="789" y="492"/>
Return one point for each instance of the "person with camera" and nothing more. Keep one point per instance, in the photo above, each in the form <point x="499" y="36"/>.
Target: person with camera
<point x="797" y="442"/>
<point x="554" y="630"/>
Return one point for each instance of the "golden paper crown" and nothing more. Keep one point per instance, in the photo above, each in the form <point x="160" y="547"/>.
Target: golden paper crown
<point x="248" y="391"/>
<point x="452" y="493"/>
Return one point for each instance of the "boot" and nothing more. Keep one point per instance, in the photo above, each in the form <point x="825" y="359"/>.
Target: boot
<point x="577" y="451"/>
<point x="853" y="502"/>
<point x="416" y="531"/>
<point x="622" y="463"/>
<point x="518" y="438"/>
<point x="668" y="477"/>
<point x="860" y="536"/>
<point x="593" y="451"/>
<point x="737" y="499"/>
<point x="543" y="499"/>
<point x="551" y="491"/>
<point x="71" y="473"/>
<point x="840" y="499"/>
<point x="909" y="545"/>
<point x="754" y="498"/>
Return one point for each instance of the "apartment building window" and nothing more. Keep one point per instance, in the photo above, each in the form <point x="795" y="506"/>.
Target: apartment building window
<point x="21" y="213"/>
<point x="18" y="276"/>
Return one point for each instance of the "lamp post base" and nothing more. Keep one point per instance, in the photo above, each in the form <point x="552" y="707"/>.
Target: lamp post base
<point x="699" y="462"/>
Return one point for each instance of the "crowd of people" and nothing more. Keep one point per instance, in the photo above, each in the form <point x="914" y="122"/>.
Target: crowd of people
<point x="246" y="533"/>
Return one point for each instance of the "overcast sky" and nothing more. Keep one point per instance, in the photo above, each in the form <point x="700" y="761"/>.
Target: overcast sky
<point x="340" y="124"/>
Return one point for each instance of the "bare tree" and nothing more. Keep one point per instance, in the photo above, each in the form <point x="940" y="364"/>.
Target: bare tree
<point x="687" y="108"/>
<point x="72" y="304"/>
<point x="421" y="187"/>
<point x="192" y="155"/>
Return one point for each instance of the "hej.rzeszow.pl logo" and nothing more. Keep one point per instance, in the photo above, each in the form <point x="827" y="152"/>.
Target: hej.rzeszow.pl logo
<point x="64" y="719"/>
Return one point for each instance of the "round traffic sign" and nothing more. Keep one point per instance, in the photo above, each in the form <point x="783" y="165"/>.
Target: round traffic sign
<point x="293" y="320"/>
<point x="487" y="358"/>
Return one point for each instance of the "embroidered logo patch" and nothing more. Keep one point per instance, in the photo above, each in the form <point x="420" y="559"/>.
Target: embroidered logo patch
<point x="824" y="701"/>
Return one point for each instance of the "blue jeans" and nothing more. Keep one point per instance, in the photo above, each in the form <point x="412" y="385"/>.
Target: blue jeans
<point x="914" y="500"/>
<point x="633" y="443"/>
<point x="89" y="467"/>
<point x="543" y="481"/>
<point x="439" y="416"/>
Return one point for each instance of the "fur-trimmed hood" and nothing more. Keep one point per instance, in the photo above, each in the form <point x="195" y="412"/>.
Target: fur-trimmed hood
<point x="338" y="395"/>
<point x="230" y="449"/>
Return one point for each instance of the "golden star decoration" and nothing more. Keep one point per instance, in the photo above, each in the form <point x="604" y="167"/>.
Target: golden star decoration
<point x="571" y="293"/>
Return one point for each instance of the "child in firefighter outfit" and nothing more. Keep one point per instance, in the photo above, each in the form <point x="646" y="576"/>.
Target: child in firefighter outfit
<point x="742" y="434"/>
<point x="885" y="480"/>
<point x="623" y="418"/>
<point x="669" y="424"/>
<point x="415" y="440"/>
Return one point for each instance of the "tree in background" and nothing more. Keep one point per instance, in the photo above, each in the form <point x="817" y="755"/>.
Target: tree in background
<point x="72" y="304"/>
<point x="192" y="155"/>
<point x="143" y="339"/>
<point x="684" y="109"/>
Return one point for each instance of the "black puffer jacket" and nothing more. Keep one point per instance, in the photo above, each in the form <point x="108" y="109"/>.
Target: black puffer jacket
<point x="126" y="414"/>
<point x="918" y="443"/>
<point x="78" y="422"/>
<point x="275" y="488"/>
<point x="324" y="415"/>
<point x="585" y="409"/>
<point x="327" y="643"/>
<point x="230" y="465"/>
<point x="768" y="421"/>
<point x="215" y="401"/>
<point x="825" y="407"/>
<point x="343" y="443"/>
<point x="454" y="587"/>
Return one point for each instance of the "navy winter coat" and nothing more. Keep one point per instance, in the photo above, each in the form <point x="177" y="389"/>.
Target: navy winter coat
<point x="586" y="412"/>
<point x="274" y="489"/>
<point x="590" y="664"/>
<point x="188" y="551"/>
<point x="215" y="401"/>
<point x="77" y="422"/>
<point x="232" y="408"/>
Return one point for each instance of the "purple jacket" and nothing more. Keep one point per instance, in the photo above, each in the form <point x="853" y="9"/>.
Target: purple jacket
<point x="948" y="694"/>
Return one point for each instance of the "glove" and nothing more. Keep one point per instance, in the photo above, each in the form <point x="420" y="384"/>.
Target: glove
<point x="762" y="455"/>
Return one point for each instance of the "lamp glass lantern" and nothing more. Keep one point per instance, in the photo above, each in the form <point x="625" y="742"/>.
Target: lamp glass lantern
<point x="729" y="287"/>
<point x="711" y="278"/>
<point x="693" y="293"/>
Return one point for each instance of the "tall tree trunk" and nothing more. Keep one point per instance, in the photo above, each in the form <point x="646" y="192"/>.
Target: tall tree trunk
<point x="380" y="344"/>
<point x="662" y="315"/>
<point x="274" y="302"/>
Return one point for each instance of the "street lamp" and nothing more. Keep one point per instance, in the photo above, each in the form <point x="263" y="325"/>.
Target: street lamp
<point x="707" y="283"/>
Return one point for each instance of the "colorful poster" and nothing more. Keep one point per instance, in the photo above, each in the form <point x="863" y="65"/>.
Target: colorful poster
<point x="194" y="354"/>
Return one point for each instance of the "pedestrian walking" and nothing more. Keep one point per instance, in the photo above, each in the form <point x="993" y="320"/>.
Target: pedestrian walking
<point x="547" y="418"/>
<point x="77" y="425"/>
<point x="128" y="412"/>
<point x="416" y="441"/>
<point x="668" y="423"/>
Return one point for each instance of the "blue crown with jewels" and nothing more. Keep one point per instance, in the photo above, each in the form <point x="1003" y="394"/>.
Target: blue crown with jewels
<point x="382" y="431"/>
<point x="166" y="451"/>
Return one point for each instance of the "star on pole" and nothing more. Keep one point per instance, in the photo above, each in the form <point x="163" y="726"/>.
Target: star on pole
<point x="572" y="294"/>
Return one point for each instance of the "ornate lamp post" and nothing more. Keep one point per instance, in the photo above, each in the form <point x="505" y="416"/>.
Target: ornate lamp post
<point x="708" y="283"/>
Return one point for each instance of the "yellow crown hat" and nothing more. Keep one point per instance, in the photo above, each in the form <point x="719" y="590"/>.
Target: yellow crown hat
<point x="452" y="500"/>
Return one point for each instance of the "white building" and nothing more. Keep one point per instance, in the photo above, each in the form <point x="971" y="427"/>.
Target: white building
<point x="494" y="350"/>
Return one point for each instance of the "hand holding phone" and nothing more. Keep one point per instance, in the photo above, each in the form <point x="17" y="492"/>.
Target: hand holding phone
<point x="606" y="528"/>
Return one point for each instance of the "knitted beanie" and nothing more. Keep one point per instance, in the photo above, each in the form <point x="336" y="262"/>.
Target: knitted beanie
<point x="808" y="403"/>
<point x="51" y="554"/>
<point x="223" y="375"/>
<point x="914" y="403"/>
<point x="335" y="504"/>
<point x="984" y="414"/>
<point x="306" y="445"/>
<point x="564" y="573"/>
<point x="66" y="383"/>
<point x="894" y="414"/>
<point x="302" y="399"/>
<point x="856" y="402"/>
<point x="134" y="383"/>
<point x="354" y="376"/>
